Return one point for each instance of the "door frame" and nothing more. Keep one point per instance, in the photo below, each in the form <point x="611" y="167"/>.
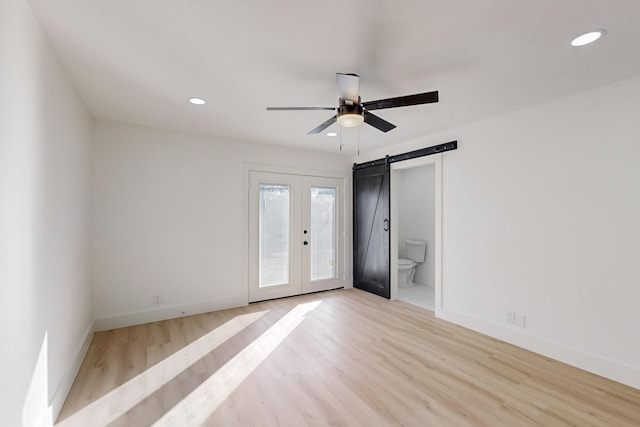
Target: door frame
<point x="345" y="210"/>
<point x="435" y="160"/>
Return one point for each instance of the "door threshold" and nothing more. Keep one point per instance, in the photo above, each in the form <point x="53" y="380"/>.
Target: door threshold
<point x="299" y="295"/>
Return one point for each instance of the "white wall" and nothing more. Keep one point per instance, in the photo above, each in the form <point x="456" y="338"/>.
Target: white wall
<point x="45" y="316"/>
<point x="540" y="217"/>
<point x="169" y="216"/>
<point x="416" y="216"/>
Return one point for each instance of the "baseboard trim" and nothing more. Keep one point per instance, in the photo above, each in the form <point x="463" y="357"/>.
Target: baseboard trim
<point x="60" y="395"/>
<point x="164" y="313"/>
<point x="610" y="369"/>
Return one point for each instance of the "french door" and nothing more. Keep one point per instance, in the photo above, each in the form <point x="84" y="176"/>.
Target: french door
<point x="296" y="238"/>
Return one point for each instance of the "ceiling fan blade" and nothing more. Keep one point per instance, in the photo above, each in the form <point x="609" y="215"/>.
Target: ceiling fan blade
<point x="298" y="108"/>
<point x="323" y="126"/>
<point x="377" y="122"/>
<point x="402" y="101"/>
<point x="348" y="86"/>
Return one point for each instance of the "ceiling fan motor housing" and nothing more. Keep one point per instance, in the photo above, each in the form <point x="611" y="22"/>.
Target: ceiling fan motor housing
<point x="350" y="109"/>
<point x="350" y="113"/>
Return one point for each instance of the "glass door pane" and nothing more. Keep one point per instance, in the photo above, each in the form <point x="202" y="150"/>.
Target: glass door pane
<point x="323" y="233"/>
<point x="274" y="238"/>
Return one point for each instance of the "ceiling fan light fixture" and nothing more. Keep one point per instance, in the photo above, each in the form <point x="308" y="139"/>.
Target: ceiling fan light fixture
<point x="350" y="120"/>
<point x="350" y="115"/>
<point x="587" y="38"/>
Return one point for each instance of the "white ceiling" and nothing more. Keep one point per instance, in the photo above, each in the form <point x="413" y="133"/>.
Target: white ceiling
<point x="138" y="61"/>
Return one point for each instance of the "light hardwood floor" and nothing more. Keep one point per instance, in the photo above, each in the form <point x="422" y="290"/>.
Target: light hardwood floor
<point x="335" y="358"/>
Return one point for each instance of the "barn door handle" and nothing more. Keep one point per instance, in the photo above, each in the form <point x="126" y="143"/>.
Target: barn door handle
<point x="386" y="225"/>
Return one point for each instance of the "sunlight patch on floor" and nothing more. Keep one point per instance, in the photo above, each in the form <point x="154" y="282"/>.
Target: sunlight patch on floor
<point x="118" y="401"/>
<point x="196" y="407"/>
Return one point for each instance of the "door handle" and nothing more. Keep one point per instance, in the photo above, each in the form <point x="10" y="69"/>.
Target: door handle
<point x="386" y="224"/>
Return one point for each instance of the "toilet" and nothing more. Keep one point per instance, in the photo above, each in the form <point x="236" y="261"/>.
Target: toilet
<point x="416" y="251"/>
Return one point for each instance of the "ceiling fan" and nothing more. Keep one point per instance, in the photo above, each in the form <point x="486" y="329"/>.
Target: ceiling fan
<point x="351" y="111"/>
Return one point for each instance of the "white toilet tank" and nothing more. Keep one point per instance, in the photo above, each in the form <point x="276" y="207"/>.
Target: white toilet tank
<point x="416" y="250"/>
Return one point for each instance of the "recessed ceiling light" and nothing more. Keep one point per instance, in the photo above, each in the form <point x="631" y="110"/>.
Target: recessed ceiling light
<point x="587" y="38"/>
<point x="332" y="134"/>
<point x="197" y="101"/>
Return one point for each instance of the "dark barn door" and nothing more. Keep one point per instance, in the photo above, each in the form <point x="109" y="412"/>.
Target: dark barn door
<point x="371" y="266"/>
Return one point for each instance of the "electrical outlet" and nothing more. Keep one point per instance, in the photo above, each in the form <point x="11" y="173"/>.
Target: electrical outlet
<point x="157" y="299"/>
<point x="511" y="317"/>
<point x="521" y="320"/>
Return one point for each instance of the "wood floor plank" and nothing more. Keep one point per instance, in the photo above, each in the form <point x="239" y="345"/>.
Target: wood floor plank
<point x="348" y="358"/>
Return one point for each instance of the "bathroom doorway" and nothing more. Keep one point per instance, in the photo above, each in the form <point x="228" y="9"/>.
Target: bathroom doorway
<point x="416" y="216"/>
